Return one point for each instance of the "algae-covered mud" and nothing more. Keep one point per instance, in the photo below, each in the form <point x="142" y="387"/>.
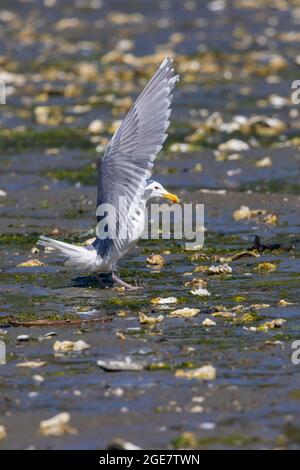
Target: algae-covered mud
<point x="204" y="356"/>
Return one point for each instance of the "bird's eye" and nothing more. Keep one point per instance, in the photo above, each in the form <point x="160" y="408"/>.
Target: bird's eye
<point x="156" y="187"/>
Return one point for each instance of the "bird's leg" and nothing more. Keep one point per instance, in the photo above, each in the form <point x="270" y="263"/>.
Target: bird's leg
<point x="102" y="284"/>
<point x="123" y="283"/>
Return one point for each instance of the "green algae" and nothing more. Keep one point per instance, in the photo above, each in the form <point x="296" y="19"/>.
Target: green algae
<point x="190" y="440"/>
<point x="281" y="186"/>
<point x="16" y="141"/>
<point x="18" y="239"/>
<point x="86" y="175"/>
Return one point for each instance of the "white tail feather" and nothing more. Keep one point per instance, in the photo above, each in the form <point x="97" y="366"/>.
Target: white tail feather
<point x="77" y="257"/>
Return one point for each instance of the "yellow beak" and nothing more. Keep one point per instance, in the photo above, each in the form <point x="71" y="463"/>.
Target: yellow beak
<point x="172" y="197"/>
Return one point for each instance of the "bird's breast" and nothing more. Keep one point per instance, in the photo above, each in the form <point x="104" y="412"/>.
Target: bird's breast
<point x="137" y="224"/>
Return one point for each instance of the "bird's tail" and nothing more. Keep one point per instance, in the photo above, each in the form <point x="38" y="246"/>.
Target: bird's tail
<point x="77" y="257"/>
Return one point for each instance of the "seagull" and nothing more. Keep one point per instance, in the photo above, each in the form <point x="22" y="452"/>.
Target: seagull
<point x="125" y="172"/>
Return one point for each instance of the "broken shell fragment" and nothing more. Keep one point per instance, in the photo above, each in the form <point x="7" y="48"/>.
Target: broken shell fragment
<point x="233" y="145"/>
<point x="163" y="301"/>
<point x="270" y="325"/>
<point x="201" y="292"/>
<point x="125" y="365"/>
<point x="245" y="213"/>
<point x="2" y="432"/>
<point x="146" y="320"/>
<point x="57" y="426"/>
<point x="207" y="372"/>
<point x="284" y="303"/>
<point x="156" y="260"/>
<point x="208" y="322"/>
<point x="185" y="312"/>
<point x="267" y="267"/>
<point x="120" y="444"/>
<point x="220" y="269"/>
<point x="70" y="346"/>
<point x="31" y="364"/>
<point x="264" y="162"/>
<point x="30" y="263"/>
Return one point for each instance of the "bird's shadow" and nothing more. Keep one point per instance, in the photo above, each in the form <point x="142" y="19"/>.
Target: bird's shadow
<point x="92" y="281"/>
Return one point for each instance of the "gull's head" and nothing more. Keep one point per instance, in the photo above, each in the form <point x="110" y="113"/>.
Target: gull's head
<point x="154" y="189"/>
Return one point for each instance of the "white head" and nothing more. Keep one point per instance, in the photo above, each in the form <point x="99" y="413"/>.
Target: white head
<point x="154" y="189"/>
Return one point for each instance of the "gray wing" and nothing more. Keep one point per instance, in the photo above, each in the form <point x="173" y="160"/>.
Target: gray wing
<point x="128" y="160"/>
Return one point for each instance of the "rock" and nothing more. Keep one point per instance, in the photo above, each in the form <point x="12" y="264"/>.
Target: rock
<point x="70" y="346"/>
<point x="185" y="312"/>
<point x="57" y="426"/>
<point x="126" y="365"/>
<point x="201" y="292"/>
<point x="208" y="322"/>
<point x="207" y="372"/>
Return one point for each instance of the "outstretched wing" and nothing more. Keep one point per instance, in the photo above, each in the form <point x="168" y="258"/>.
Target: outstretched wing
<point x="128" y="160"/>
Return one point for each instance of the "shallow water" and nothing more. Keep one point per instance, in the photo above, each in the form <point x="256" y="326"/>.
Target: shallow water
<point x="254" y="400"/>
